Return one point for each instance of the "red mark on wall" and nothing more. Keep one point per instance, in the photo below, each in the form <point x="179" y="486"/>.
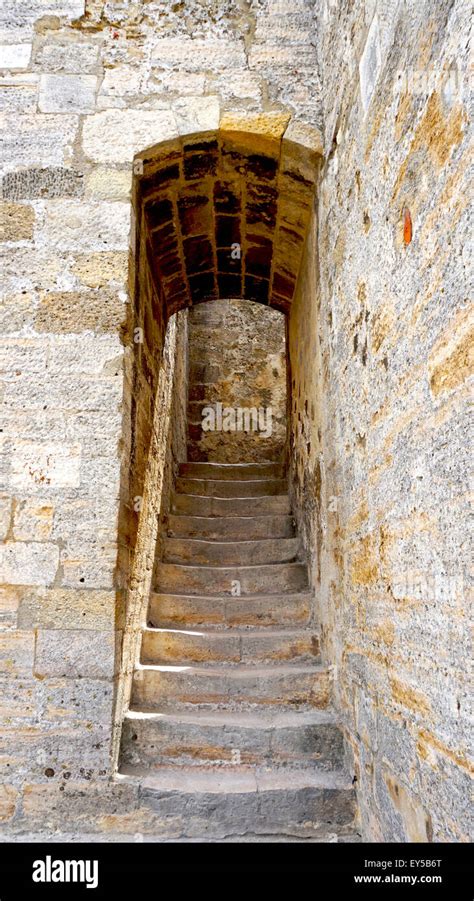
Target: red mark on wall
<point x="407" y="226"/>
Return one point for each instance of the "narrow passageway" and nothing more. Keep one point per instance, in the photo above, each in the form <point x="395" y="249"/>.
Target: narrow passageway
<point x="230" y="715"/>
<point x="237" y="408"/>
<point x="234" y="389"/>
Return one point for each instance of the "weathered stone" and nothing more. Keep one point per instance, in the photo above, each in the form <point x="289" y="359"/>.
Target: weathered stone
<point x="83" y="394"/>
<point x="48" y="807"/>
<point x="37" y="140"/>
<point x="9" y="602"/>
<point x="5" y="516"/>
<point x="16" y="653"/>
<point x="451" y="361"/>
<point x="33" y="183"/>
<point x="55" y="754"/>
<point x="370" y="63"/>
<point x="37" y="466"/>
<point x="80" y="311"/>
<point x="86" y="700"/>
<point x="74" y="654"/>
<point x="98" y="269"/>
<point x="15" y="56"/>
<point x="100" y="357"/>
<point x="8" y="799"/>
<point x="197" y="55"/>
<point x="262" y="131"/>
<point x="196" y="114"/>
<point x="16" y="312"/>
<point x="65" y="55"/>
<point x="28" y="563"/>
<point x="32" y="520"/>
<point x="38" y="14"/>
<point x="109" y="184"/>
<point x="18" y="699"/>
<point x="67" y="93"/>
<point x="63" y="609"/>
<point x="76" y="225"/>
<point x="25" y="270"/>
<point x="18" y="93"/>
<point x="17" y="222"/>
<point x="378" y="352"/>
<point x="115" y="136"/>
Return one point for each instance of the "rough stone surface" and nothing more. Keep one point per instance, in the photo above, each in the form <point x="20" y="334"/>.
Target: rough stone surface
<point x="237" y="359"/>
<point x="33" y="183"/>
<point x="230" y="702"/>
<point x="28" y="563"/>
<point x="66" y="609"/>
<point x="17" y="222"/>
<point x="72" y="312"/>
<point x="378" y="344"/>
<point x="116" y="136"/>
<point x="138" y="143"/>
<point x="74" y="654"/>
<point x="67" y="93"/>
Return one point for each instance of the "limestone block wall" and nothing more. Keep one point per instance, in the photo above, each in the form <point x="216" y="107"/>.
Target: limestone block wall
<point x="237" y="358"/>
<point x="379" y="354"/>
<point x="158" y="446"/>
<point x="383" y="453"/>
<point x="84" y="88"/>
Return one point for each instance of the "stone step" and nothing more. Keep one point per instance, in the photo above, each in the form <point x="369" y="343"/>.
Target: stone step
<point x="227" y="506"/>
<point x="222" y="488"/>
<point x="239" y="471"/>
<point x="228" y="738"/>
<point x="230" y="553"/>
<point x="182" y="646"/>
<point x="272" y="578"/>
<point x="317" y="838"/>
<point x="231" y="801"/>
<point x="165" y="687"/>
<point x="189" y="611"/>
<point x="230" y="527"/>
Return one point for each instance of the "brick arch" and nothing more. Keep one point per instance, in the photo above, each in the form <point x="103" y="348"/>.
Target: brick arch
<point x="223" y="214"/>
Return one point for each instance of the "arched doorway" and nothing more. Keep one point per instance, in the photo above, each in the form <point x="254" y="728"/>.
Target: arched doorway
<point x="216" y="214"/>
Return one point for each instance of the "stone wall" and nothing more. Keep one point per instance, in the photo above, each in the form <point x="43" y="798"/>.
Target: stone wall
<point x="378" y="354"/>
<point x="237" y="358"/>
<point x="159" y="442"/>
<point x="84" y="89"/>
<point x="380" y="455"/>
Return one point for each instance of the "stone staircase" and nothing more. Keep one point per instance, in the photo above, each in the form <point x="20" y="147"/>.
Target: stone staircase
<point x="230" y="733"/>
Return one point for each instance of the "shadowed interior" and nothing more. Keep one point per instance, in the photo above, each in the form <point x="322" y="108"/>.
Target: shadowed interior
<point x="224" y="214"/>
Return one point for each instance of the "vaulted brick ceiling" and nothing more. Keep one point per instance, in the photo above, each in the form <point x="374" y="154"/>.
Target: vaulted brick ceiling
<point x="225" y="216"/>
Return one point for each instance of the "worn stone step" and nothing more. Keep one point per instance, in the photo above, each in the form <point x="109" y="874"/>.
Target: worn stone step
<point x="239" y="471"/>
<point x="227" y="738"/>
<point x="319" y="837"/>
<point x="231" y="801"/>
<point x="227" y="528"/>
<point x="222" y="488"/>
<point x="272" y="578"/>
<point x="230" y="506"/>
<point x="230" y="553"/>
<point x="163" y="687"/>
<point x="181" y="646"/>
<point x="251" y="610"/>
